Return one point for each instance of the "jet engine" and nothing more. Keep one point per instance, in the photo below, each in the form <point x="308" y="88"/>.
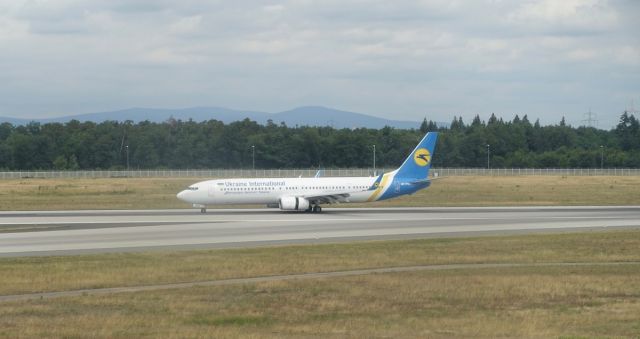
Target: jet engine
<point x="294" y="204"/>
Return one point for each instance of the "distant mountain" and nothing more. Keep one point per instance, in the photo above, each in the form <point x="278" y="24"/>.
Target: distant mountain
<point x="138" y="114"/>
<point x="14" y="121"/>
<point x="158" y="115"/>
<point x="323" y="116"/>
<point x="301" y="116"/>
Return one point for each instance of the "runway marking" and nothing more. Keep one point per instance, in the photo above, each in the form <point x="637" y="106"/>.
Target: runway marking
<point x="302" y="276"/>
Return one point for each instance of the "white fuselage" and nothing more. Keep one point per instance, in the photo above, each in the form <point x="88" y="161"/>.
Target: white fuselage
<point x="271" y="190"/>
<point x="307" y="194"/>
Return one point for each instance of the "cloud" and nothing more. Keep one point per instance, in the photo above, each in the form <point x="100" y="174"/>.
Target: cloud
<point x="401" y="59"/>
<point x="579" y="16"/>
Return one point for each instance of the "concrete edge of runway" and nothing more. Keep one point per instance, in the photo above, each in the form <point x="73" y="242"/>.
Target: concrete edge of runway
<point x="305" y="242"/>
<point x="328" y="209"/>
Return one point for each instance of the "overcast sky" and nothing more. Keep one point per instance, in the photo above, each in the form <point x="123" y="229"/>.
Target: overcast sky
<point x="395" y="59"/>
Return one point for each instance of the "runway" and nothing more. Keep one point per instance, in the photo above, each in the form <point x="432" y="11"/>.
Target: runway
<point x="79" y="232"/>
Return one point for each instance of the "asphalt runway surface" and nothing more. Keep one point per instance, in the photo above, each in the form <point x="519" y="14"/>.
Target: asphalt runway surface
<point x="80" y="232"/>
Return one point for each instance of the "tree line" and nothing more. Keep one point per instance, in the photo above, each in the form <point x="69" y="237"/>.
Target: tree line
<point x="180" y="144"/>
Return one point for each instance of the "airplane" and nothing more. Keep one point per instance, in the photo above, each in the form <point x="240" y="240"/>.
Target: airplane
<point x="307" y="194"/>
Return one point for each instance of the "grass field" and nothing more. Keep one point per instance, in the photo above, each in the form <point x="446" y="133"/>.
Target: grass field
<point x="498" y="302"/>
<point x="157" y="193"/>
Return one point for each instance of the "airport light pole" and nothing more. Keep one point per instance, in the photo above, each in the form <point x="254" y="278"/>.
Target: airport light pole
<point x="488" y="152"/>
<point x="126" y="148"/>
<point x="253" y="157"/>
<point x="601" y="156"/>
<point x="374" y="158"/>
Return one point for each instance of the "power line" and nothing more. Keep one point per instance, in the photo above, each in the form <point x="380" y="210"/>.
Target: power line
<point x="590" y="119"/>
<point x="632" y="109"/>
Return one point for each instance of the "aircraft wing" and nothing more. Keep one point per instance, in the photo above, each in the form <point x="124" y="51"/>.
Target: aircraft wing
<point x="330" y="198"/>
<point x="335" y="197"/>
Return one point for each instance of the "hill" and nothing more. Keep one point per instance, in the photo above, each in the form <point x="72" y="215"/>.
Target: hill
<point x="301" y="116"/>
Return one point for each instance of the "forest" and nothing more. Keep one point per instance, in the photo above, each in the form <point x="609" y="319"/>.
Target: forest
<point x="176" y="144"/>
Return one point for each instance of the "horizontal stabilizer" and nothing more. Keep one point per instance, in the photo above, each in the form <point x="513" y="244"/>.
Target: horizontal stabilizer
<point x="421" y="182"/>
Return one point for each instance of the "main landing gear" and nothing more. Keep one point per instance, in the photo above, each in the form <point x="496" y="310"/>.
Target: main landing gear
<point x="203" y="208"/>
<point x="314" y="209"/>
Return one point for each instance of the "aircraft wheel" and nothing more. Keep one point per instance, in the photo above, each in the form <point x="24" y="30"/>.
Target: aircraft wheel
<point x="203" y="210"/>
<point x="317" y="209"/>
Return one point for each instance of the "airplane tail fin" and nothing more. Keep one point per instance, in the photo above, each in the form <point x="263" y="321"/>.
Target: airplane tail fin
<point x="418" y="163"/>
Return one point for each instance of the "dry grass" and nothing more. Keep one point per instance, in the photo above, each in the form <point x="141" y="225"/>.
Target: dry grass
<point x="157" y="193"/>
<point x="522" y="302"/>
<point x="38" y="274"/>
<point x="498" y="302"/>
<point x="104" y="193"/>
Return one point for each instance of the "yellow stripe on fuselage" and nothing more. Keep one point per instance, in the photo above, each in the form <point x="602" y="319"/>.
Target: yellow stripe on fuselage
<point x="380" y="188"/>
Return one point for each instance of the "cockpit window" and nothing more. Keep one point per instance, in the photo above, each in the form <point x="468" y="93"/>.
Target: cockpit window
<point x="192" y="188"/>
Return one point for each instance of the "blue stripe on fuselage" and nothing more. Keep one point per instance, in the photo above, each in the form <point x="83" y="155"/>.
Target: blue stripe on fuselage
<point x="402" y="186"/>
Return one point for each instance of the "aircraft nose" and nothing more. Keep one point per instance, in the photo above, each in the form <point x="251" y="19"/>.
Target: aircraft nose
<point x="181" y="195"/>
